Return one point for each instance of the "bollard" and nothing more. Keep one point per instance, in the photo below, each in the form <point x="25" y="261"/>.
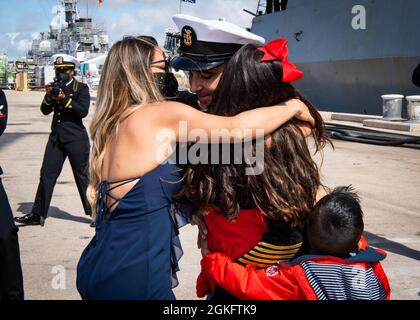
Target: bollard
<point x="413" y="108"/>
<point x="392" y="107"/>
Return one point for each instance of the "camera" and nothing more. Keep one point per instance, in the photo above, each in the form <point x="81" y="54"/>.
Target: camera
<point x="56" y="86"/>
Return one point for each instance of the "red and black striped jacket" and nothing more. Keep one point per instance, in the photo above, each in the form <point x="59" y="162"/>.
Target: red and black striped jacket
<point x="309" y="277"/>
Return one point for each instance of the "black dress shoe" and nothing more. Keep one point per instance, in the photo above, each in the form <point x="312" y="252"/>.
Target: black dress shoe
<point x="31" y="219"/>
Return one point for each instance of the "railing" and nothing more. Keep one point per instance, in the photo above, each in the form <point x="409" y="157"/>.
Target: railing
<point x="172" y="41"/>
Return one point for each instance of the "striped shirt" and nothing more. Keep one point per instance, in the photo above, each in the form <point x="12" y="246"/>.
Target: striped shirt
<point x="343" y="282"/>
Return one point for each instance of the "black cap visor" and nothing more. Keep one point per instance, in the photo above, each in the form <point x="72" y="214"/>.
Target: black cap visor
<point x="189" y="64"/>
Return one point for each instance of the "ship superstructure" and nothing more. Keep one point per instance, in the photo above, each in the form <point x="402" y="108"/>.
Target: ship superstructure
<point x="71" y="34"/>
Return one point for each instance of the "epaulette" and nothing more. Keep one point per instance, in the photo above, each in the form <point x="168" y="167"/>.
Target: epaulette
<point x="266" y="254"/>
<point x="75" y="85"/>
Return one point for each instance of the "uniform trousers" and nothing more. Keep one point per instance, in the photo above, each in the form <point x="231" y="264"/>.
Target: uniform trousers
<point x="54" y="157"/>
<point x="11" y="281"/>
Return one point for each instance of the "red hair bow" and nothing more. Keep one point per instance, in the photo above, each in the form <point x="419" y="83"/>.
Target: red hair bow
<point x="277" y="50"/>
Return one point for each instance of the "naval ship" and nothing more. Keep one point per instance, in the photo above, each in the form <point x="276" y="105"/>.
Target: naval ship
<point x="70" y="34"/>
<point x="351" y="51"/>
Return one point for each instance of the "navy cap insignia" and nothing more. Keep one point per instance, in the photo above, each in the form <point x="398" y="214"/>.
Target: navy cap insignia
<point x="59" y="60"/>
<point x="188" y="36"/>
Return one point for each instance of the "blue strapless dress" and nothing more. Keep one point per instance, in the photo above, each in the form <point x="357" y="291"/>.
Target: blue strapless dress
<point x="135" y="251"/>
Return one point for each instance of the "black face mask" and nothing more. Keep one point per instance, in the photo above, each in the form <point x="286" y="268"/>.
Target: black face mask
<point x="167" y="84"/>
<point x="62" y="77"/>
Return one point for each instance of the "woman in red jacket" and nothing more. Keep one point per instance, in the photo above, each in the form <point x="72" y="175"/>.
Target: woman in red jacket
<point x="338" y="267"/>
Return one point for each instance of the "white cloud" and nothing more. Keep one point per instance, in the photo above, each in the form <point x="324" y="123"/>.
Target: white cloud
<point x="57" y="8"/>
<point x="35" y="35"/>
<point x="153" y="17"/>
<point x="23" y="44"/>
<point x="116" y="2"/>
<point x="146" y="21"/>
<point x="231" y="10"/>
<point x="12" y="36"/>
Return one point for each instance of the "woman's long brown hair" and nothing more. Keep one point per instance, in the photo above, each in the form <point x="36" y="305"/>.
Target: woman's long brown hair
<point x="286" y="189"/>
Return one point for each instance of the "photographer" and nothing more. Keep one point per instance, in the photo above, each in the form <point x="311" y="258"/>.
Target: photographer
<point x="11" y="282"/>
<point x="70" y="101"/>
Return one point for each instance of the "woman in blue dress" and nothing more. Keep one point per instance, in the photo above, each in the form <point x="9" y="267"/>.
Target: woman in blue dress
<point x="135" y="251"/>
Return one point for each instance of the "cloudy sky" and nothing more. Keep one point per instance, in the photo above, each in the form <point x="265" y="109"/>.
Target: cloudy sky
<point x="22" y="20"/>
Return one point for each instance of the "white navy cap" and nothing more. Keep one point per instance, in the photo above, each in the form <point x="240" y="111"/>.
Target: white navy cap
<point x="64" y="61"/>
<point x="206" y="44"/>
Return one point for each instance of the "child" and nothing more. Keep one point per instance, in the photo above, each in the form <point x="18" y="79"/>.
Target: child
<point x="340" y="265"/>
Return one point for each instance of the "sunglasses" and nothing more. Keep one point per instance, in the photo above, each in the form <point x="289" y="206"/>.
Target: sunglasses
<point x="167" y="62"/>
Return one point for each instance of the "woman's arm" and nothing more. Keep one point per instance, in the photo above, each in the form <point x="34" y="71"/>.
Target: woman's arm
<point x="245" y="282"/>
<point x="240" y="127"/>
<point x="248" y="283"/>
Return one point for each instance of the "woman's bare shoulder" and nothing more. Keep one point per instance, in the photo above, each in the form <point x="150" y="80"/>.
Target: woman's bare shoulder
<point x="167" y="106"/>
<point x="150" y="117"/>
<point x="157" y="109"/>
<point x="160" y="113"/>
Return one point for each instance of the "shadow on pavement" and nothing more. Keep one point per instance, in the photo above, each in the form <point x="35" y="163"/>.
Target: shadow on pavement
<point x="53" y="212"/>
<point x="391" y="246"/>
<point x="10" y="138"/>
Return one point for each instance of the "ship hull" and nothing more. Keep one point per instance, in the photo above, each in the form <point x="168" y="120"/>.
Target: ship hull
<point x="356" y="86"/>
<point x="347" y="70"/>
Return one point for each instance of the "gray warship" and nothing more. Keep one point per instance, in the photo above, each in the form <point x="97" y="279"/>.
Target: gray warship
<point x="69" y="33"/>
<point x="351" y="51"/>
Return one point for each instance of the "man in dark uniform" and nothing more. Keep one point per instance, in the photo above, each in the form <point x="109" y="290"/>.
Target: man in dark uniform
<point x="70" y="101"/>
<point x="416" y="76"/>
<point x="11" y="281"/>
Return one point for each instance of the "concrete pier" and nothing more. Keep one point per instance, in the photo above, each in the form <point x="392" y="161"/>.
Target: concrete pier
<point x="386" y="177"/>
<point x="373" y="122"/>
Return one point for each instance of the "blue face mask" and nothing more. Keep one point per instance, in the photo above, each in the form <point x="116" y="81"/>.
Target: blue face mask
<point x="62" y="77"/>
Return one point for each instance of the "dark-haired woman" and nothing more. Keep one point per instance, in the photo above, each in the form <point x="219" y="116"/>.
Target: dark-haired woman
<point x="242" y="207"/>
